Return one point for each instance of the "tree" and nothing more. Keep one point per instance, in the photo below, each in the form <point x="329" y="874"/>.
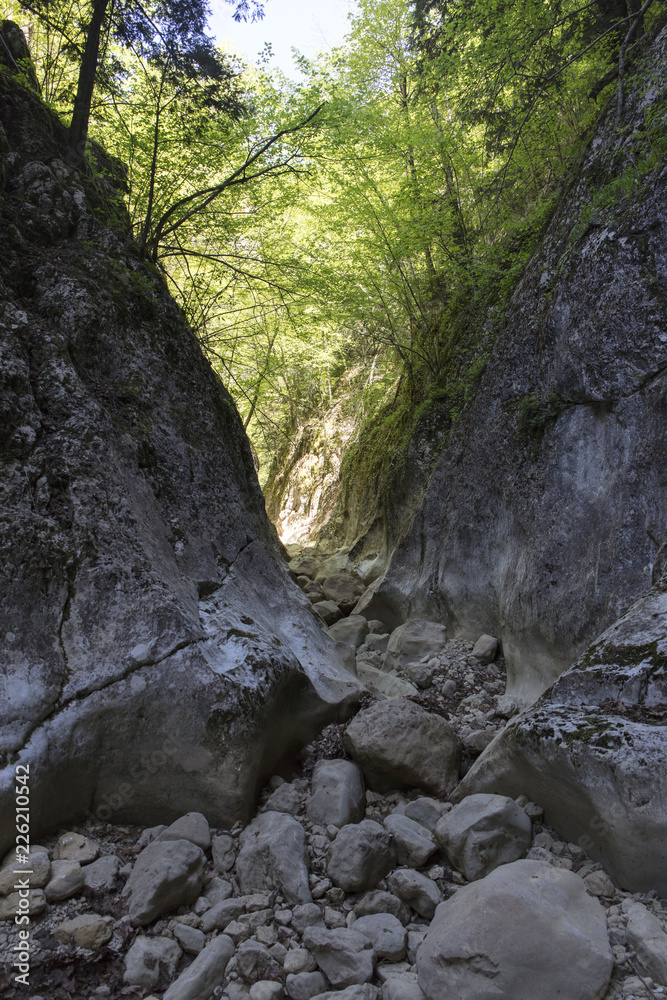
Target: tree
<point x="170" y="30"/>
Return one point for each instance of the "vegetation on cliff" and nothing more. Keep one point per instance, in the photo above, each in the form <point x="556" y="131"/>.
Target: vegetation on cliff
<point x="345" y="245"/>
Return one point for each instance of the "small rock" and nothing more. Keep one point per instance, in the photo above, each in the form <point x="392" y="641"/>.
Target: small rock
<point x="166" y="875"/>
<point x="352" y="630"/>
<point x="599" y="884"/>
<point x="151" y="959"/>
<point x="75" y="847"/>
<point x="647" y="937"/>
<point x="360" y="856"/>
<point x="217" y="890"/>
<point x="364" y="991"/>
<point x="39" y="868"/>
<point x="255" y="962"/>
<point x="425" y="811"/>
<point x="101" y="874"/>
<point x="193" y="827"/>
<point x="403" y="987"/>
<point x="328" y="611"/>
<point x="415" y="889"/>
<point x="14" y="904"/>
<point x="190" y="939"/>
<point x="304" y="916"/>
<point x="485" y="649"/>
<point x="221" y="914"/>
<point x="199" y="980"/>
<point x="89" y="930"/>
<point x="285" y="799"/>
<point x="66" y="880"/>
<point x="387" y="935"/>
<point x="305" y="985"/>
<point x="150" y="834"/>
<point x="421" y="674"/>
<point x="345" y="957"/>
<point x="378" y="901"/>
<point x="223" y="853"/>
<point x="266" y="989"/>
<point x="345" y="589"/>
<point x="273" y="855"/>
<point x="413" y="843"/>
<point x="299" y="960"/>
<point x="416" y="640"/>
<point x="338" y="794"/>
<point x="482" y="832"/>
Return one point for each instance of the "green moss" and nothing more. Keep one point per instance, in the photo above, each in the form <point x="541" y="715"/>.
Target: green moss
<point x="534" y="413"/>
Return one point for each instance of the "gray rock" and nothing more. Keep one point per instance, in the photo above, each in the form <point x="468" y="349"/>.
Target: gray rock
<point x="360" y="856"/>
<point x="376" y="643"/>
<point x="482" y="832"/>
<point x="485" y="649"/>
<point x="413" y="843"/>
<point x="223" y="853"/>
<point x="417" y="890"/>
<point x="150" y="961"/>
<point x="345" y="589"/>
<point x="75" y="847"/>
<point x="273" y="856"/>
<point x="403" y="987"/>
<point x="198" y="981"/>
<point x="88" y="930"/>
<point x="221" y="914"/>
<point x="304" y="985"/>
<point x="599" y="776"/>
<point x="328" y="611"/>
<point x="166" y="875"/>
<point x="425" y="811"/>
<point x="266" y="989"/>
<point x="345" y="957"/>
<point x="65" y="881"/>
<point x="387" y="935"/>
<point x="378" y="627"/>
<point x="9" y="905"/>
<point x="379" y="901"/>
<point x="306" y="916"/>
<point x="362" y="992"/>
<point x="191" y="939"/>
<point x="646" y="936"/>
<point x="217" y="890"/>
<point x="254" y="961"/>
<point x="39" y="872"/>
<point x="599" y="884"/>
<point x="299" y="960"/>
<point x="382" y="684"/>
<point x="338" y="795"/>
<point x="237" y="991"/>
<point x="101" y="874"/>
<point x="529" y="927"/>
<point x="421" y="674"/>
<point x="193" y="827"/>
<point x="352" y="630"/>
<point x="413" y="641"/>
<point x="400" y="744"/>
<point x="285" y="799"/>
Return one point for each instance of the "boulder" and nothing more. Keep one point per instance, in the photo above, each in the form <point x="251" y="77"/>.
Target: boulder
<point x="593" y="752"/>
<point x="304" y="985"/>
<point x="360" y="856"/>
<point x="165" y="574"/>
<point x="75" y="847"/>
<point x="345" y="589"/>
<point x="193" y="827"/>
<point x="66" y="880"/>
<point x="482" y="832"/>
<point x="89" y="930"/>
<point x="199" y="980"/>
<point x="527" y="930"/>
<point x="413" y="641"/>
<point x="415" y="889"/>
<point x="351" y="630"/>
<point x="387" y="935"/>
<point x="400" y="745"/>
<point x="413" y="843"/>
<point x="328" y="611"/>
<point x="338" y="796"/>
<point x="646" y="936"/>
<point x="273" y="856"/>
<point x="150" y="961"/>
<point x="345" y="957"/>
<point x="166" y="875"/>
<point x="485" y="649"/>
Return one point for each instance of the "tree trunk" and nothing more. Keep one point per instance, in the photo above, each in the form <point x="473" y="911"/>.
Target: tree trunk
<point x="78" y="130"/>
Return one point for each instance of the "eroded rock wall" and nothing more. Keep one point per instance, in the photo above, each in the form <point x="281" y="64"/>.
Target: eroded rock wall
<point x="545" y="512"/>
<point x="156" y="656"/>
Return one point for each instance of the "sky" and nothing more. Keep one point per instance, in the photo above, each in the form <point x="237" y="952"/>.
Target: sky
<point x="308" y="25"/>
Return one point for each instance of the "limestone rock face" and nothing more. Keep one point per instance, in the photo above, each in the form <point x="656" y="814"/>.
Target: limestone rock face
<point x="152" y="641"/>
<point x="399" y="744"/>
<point x="593" y="750"/>
<point x="527" y="930"/>
<point x="546" y="509"/>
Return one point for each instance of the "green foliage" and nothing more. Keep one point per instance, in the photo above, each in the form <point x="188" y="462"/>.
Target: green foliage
<point x="534" y="413"/>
